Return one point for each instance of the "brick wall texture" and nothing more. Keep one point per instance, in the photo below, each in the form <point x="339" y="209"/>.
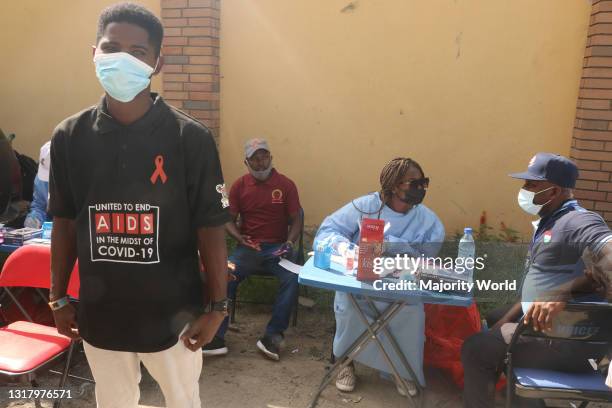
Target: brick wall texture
<point x="191" y="50"/>
<point x="592" y="138"/>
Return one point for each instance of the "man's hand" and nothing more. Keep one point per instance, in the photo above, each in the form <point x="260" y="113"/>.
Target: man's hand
<point x="65" y="321"/>
<point x="202" y="330"/>
<point x="541" y="314"/>
<point x="246" y="240"/>
<point x="231" y="271"/>
<point x="285" y="250"/>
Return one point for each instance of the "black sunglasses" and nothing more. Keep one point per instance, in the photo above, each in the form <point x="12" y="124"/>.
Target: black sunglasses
<point x="417" y="183"/>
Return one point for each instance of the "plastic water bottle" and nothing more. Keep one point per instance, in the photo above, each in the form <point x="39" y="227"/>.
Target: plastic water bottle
<point x="465" y="251"/>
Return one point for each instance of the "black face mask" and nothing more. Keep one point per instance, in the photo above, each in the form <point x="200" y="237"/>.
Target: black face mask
<point x="413" y="196"/>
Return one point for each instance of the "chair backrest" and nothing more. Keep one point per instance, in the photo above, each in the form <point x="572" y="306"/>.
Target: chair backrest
<point x="591" y="322"/>
<point x="30" y="266"/>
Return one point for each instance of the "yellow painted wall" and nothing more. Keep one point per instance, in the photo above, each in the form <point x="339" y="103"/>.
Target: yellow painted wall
<point x="469" y="88"/>
<point x="46" y="68"/>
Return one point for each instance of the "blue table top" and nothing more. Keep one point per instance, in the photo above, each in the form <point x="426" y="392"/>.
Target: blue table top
<point x="8" y="248"/>
<point x="337" y="281"/>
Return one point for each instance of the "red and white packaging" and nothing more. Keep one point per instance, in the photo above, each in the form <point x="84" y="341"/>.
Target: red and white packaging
<point x="370" y="246"/>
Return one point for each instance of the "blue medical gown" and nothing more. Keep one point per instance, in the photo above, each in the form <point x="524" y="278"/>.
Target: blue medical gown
<point x="418" y="232"/>
<point x="38" y="207"/>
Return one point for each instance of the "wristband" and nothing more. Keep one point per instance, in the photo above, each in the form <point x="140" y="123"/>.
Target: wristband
<point x="222" y="306"/>
<point x="58" y="303"/>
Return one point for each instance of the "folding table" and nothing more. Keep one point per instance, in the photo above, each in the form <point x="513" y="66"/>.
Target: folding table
<point x="8" y="248"/>
<point x="337" y="281"/>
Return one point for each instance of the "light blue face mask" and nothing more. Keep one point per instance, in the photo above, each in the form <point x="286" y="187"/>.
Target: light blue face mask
<point x="122" y="75"/>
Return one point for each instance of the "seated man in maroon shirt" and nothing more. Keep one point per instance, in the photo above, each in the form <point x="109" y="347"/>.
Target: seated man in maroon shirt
<point x="267" y="205"/>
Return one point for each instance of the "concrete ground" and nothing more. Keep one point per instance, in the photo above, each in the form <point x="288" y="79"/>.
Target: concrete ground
<point x="244" y="378"/>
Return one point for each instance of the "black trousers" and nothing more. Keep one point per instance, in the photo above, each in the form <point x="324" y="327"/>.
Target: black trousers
<point x="483" y="360"/>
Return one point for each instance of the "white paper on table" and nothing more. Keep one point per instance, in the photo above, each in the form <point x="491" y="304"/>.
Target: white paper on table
<point x="290" y="266"/>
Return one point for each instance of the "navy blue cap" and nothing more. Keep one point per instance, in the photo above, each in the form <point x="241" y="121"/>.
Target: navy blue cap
<point x="550" y="167"/>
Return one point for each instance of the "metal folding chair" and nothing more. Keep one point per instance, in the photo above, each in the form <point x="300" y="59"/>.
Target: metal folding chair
<point x="586" y="322"/>
<point x="27" y="347"/>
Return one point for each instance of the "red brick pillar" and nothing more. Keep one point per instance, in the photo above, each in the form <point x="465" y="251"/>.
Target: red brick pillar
<point x="592" y="139"/>
<point x="191" y="50"/>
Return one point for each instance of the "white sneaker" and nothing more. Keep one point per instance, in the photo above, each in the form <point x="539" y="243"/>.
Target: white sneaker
<point x="412" y="389"/>
<point x="269" y="348"/>
<point x="215" y="348"/>
<point x="345" y="381"/>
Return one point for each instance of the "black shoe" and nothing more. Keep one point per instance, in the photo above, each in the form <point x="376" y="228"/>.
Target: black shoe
<point x="215" y="348"/>
<point x="269" y="347"/>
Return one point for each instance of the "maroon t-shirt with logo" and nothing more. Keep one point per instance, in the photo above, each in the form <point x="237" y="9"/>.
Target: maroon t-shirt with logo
<point x="264" y="206"/>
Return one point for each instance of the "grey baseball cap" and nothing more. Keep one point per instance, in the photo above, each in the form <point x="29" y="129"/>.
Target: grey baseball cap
<point x="253" y="145"/>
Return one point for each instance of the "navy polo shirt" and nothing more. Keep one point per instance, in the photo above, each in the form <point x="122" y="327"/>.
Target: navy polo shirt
<point x="555" y="255"/>
<point x="137" y="194"/>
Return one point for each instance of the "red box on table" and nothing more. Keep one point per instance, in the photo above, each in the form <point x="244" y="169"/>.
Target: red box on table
<point x="370" y="247"/>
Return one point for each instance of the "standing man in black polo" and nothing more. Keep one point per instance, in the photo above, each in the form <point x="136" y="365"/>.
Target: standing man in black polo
<point x="554" y="274"/>
<point x="136" y="190"/>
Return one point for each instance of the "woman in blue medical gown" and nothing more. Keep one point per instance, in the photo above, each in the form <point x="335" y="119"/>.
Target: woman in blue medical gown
<point x="410" y="228"/>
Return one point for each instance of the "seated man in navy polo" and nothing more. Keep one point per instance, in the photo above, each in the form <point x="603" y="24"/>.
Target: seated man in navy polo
<point x="565" y="234"/>
<point x="267" y="205"/>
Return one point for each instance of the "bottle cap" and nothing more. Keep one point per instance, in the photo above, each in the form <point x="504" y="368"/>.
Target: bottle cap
<point x="467" y="230"/>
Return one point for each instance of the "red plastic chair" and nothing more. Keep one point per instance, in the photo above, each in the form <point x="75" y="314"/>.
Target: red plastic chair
<point x="27" y="347"/>
<point x="32" y="263"/>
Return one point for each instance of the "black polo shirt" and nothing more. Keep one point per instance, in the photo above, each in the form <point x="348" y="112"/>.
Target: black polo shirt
<point x="137" y="194"/>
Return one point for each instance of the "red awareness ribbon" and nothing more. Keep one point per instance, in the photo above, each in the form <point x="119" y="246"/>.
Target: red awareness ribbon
<point x="159" y="170"/>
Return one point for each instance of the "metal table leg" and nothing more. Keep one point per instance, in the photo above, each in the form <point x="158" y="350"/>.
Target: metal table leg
<point x="357" y="346"/>
<point x="395" y="372"/>
<point x="402" y="357"/>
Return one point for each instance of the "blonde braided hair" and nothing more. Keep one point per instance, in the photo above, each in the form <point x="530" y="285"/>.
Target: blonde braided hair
<point x="393" y="173"/>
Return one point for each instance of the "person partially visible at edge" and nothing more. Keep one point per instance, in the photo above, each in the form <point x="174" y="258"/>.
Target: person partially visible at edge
<point x="38" y="208"/>
<point x="554" y="274"/>
<point x="136" y="190"/>
<point x="410" y="228"/>
<point x="265" y="208"/>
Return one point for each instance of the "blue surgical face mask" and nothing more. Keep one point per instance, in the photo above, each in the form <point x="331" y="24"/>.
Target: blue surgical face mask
<point x="122" y="75"/>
